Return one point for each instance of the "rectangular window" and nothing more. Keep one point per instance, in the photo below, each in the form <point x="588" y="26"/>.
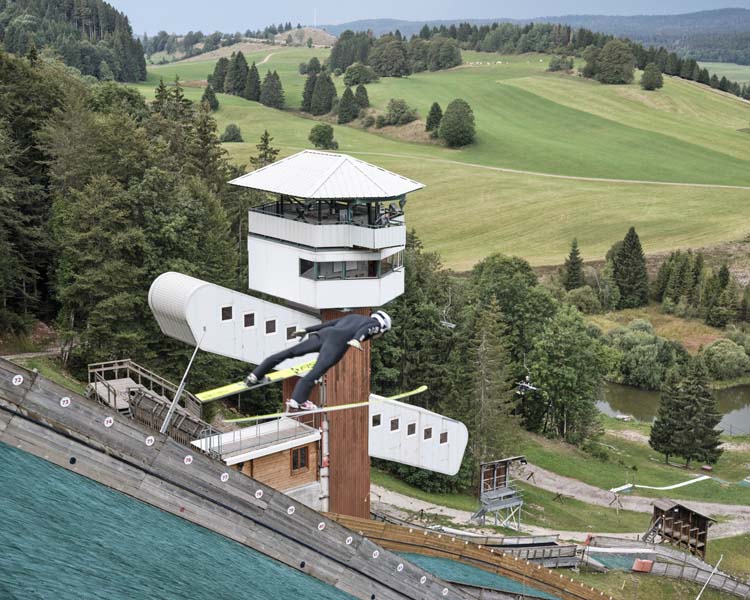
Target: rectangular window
<point x="428" y="433"/>
<point x="270" y="326"/>
<point x="411" y="429"/>
<point x="394" y="424"/>
<point x="249" y="320"/>
<point x="226" y="313"/>
<point x="444" y="437"/>
<point x="306" y="268"/>
<point x="376" y="420"/>
<point x="290" y="332"/>
<point x="300" y="458"/>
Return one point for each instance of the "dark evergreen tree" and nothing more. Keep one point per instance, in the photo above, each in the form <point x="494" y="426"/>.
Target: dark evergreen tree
<point x="573" y="269"/>
<point x="237" y="73"/>
<point x="307" y="93"/>
<point x="348" y="109"/>
<point x="361" y="97"/>
<point x="252" y="88"/>
<point x="630" y="272"/>
<point x="434" y="117"/>
<point x="323" y="95"/>
<point x="210" y="98"/>
<point x="662" y="438"/>
<point x="219" y="75"/>
<point x="271" y="92"/>
<point x="266" y="153"/>
<point x="313" y="65"/>
<point x="232" y="133"/>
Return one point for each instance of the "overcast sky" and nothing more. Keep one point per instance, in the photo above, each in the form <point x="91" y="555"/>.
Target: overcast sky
<point x="180" y="16"/>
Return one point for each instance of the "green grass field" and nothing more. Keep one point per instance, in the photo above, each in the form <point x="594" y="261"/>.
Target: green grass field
<point x="529" y="120"/>
<point x="733" y="72"/>
<point x="571" y="462"/>
<point x="539" y="508"/>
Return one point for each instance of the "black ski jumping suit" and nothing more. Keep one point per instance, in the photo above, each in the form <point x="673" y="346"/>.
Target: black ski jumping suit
<point x="330" y="340"/>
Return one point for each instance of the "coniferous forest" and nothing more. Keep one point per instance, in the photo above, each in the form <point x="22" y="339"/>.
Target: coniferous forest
<point x="89" y="35"/>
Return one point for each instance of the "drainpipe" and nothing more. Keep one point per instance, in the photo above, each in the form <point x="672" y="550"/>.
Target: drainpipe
<point x="325" y="456"/>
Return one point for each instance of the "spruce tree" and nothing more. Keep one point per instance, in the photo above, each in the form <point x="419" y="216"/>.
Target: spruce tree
<point x="307" y="93"/>
<point x="237" y="73"/>
<point x="663" y="430"/>
<point x="434" y="117"/>
<point x="252" y="88"/>
<point x="348" y="109"/>
<point x="630" y="272"/>
<point x="457" y="126"/>
<point x="210" y="98"/>
<point x="363" y="101"/>
<point x="266" y="153"/>
<point x="697" y="437"/>
<point x="652" y="78"/>
<point x="271" y="92"/>
<point x="219" y="75"/>
<point x="573" y="270"/>
<point x="323" y="95"/>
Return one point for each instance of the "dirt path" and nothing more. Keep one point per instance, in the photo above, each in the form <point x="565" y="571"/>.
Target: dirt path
<point x="27" y="355"/>
<point x="557" y="176"/>
<point x="641" y="438"/>
<point x="267" y="58"/>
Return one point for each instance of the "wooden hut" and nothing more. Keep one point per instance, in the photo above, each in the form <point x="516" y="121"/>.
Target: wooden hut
<point x="680" y="525"/>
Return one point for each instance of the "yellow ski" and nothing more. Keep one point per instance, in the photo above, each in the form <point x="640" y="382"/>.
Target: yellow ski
<point x="327" y="409"/>
<point x="235" y="388"/>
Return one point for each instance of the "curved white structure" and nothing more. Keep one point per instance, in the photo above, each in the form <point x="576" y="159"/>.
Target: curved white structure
<point x="236" y="325"/>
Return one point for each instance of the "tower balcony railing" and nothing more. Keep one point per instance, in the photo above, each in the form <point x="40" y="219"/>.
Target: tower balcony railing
<point x="326" y="228"/>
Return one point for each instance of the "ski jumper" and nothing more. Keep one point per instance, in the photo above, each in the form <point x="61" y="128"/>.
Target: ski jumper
<point x="330" y="340"/>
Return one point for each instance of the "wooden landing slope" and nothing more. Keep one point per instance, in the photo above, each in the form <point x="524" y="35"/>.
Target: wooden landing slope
<point x="401" y="539"/>
<point x="49" y="421"/>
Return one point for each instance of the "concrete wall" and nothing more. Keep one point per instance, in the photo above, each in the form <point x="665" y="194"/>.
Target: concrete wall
<point x="124" y="455"/>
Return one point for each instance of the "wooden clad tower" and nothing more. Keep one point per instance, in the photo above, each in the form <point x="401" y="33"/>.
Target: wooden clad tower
<point x="330" y="241"/>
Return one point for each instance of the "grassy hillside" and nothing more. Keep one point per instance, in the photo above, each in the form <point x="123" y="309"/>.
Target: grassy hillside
<point x="529" y="120"/>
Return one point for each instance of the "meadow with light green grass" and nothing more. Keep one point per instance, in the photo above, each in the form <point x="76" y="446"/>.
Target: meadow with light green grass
<point x="538" y="122"/>
<point x="732" y="71"/>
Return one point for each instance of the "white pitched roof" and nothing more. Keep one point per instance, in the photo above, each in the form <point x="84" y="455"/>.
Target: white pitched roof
<point x="319" y="175"/>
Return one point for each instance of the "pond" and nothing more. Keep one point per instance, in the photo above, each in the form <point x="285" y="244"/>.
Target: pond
<point x="734" y="405"/>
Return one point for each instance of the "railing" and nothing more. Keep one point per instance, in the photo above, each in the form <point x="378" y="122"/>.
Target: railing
<point x="126" y="368"/>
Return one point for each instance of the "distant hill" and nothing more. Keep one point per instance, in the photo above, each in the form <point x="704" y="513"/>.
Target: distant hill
<point x="90" y="35"/>
<point x="722" y="34"/>
<point x="300" y="37"/>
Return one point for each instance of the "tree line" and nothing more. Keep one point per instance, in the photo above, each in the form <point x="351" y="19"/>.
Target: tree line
<point x="509" y="38"/>
<point x="89" y="35"/>
<point x="391" y="55"/>
<point x="233" y="76"/>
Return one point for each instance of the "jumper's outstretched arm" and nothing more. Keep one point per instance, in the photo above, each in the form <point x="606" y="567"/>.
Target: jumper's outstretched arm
<point x="320" y="326"/>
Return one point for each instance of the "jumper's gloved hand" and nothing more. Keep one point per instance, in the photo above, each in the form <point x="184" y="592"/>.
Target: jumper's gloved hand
<point x="300" y="333"/>
<point x="355" y="344"/>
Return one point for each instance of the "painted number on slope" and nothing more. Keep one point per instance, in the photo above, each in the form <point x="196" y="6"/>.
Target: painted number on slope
<point x="109" y="421"/>
<point x="65" y="402"/>
<point x="17" y="380"/>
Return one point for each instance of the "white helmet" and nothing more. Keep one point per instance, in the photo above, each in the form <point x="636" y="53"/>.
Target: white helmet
<point x="382" y="317"/>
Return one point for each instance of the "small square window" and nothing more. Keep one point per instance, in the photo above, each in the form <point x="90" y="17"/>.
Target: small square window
<point x="290" y="332"/>
<point x="428" y="433"/>
<point x="444" y="437"/>
<point x="226" y="313"/>
<point x="299" y="459"/>
<point x="411" y="429"/>
<point x="394" y="424"/>
<point x="249" y="320"/>
<point x="376" y="420"/>
<point x="270" y="326"/>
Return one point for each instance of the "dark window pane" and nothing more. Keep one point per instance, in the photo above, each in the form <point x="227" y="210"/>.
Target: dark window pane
<point x="250" y="320"/>
<point x="303" y="458"/>
<point x="394" y="424"/>
<point x="427" y="433"/>
<point x="444" y="437"/>
<point x="226" y="313"/>
<point x="376" y="420"/>
<point x="411" y="429"/>
<point x="271" y="326"/>
<point x="290" y="332"/>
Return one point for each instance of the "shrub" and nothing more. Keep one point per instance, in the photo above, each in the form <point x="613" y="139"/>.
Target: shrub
<point x="380" y="122"/>
<point x="399" y="113"/>
<point x="726" y="360"/>
<point x="457" y="124"/>
<point x="363" y="100"/>
<point x="337" y="72"/>
<point x="231" y="134"/>
<point x="560" y="63"/>
<point x="652" y="78"/>
<point x="303" y="68"/>
<point x="368" y="121"/>
<point x="584" y="299"/>
<point x="359" y="74"/>
<point x="321" y="136"/>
